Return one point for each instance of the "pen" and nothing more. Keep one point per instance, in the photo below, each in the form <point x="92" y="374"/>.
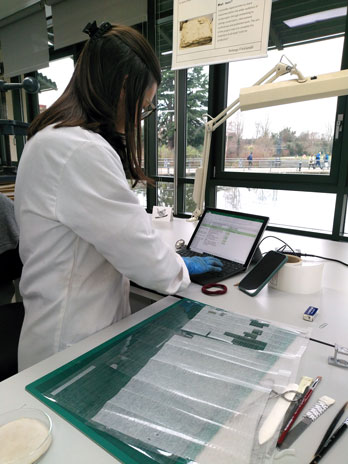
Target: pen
<point x="330" y="442"/>
<point x="298" y="410"/>
<point x="331" y="427"/>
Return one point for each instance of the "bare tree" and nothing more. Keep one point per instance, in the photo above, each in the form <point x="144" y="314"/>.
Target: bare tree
<point x="234" y="137"/>
<point x="262" y="128"/>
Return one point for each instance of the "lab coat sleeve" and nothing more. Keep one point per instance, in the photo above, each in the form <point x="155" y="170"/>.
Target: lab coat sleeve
<point x="95" y="201"/>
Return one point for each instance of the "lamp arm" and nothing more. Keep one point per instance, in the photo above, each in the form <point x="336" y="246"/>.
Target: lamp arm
<point x="278" y="70"/>
<point x="201" y="173"/>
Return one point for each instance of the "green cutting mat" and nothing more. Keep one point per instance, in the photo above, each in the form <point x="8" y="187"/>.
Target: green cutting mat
<point x="80" y="389"/>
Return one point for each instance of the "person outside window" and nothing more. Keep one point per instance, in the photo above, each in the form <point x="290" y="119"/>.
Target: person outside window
<point x="311" y="162"/>
<point x="250" y="160"/>
<point x="317" y="160"/>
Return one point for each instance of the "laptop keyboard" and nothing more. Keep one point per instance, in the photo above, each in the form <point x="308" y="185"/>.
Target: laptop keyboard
<point x="188" y="253"/>
<point x="229" y="269"/>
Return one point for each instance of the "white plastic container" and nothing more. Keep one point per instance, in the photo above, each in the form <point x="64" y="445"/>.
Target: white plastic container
<point x="25" y="435"/>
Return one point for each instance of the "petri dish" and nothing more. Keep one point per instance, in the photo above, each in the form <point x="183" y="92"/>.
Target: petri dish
<point x="25" y="435"/>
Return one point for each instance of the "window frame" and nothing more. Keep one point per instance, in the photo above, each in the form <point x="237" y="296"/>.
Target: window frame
<point x="336" y="182"/>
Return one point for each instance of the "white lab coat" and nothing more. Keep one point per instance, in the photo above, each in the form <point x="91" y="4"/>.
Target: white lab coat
<point x="83" y="235"/>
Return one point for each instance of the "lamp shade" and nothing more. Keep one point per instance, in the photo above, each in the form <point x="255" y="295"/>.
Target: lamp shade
<point x="291" y="91"/>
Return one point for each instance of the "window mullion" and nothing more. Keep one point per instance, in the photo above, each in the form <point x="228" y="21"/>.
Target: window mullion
<point x="180" y="138"/>
<point x="150" y="127"/>
<point x="342" y="143"/>
<point x="217" y="101"/>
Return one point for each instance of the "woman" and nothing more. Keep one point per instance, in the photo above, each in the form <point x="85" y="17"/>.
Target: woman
<point x="83" y="234"/>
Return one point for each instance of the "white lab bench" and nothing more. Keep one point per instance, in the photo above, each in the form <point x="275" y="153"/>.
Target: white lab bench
<point x="331" y="324"/>
<point x="71" y="446"/>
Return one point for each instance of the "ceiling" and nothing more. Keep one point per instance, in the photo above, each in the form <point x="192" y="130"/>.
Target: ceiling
<point x="281" y="35"/>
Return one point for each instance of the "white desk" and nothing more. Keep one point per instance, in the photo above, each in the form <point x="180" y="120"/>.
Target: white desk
<point x="274" y="305"/>
<point x="335" y="275"/>
<point x="71" y="446"/>
<point x="271" y="304"/>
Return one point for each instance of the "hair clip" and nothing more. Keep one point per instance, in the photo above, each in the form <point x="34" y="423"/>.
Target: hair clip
<point x="96" y="32"/>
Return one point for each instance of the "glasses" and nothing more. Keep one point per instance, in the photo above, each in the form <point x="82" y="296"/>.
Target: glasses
<point x="147" y="111"/>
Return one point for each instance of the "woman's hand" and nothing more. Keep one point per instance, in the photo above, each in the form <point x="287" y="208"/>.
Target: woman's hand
<point x="200" y="265"/>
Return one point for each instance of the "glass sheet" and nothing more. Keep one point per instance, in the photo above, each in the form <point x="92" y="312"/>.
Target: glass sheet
<point x="188" y="385"/>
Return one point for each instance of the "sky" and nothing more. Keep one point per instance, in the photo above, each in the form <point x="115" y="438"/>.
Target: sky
<point x="59" y="71"/>
<point x="311" y="59"/>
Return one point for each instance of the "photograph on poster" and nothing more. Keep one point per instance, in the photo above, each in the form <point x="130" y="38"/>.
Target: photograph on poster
<point x="196" y="32"/>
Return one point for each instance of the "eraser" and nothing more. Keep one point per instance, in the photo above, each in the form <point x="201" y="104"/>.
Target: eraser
<point x="310" y="313"/>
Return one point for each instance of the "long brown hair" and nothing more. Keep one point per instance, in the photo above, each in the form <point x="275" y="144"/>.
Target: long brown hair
<point x="122" y="58"/>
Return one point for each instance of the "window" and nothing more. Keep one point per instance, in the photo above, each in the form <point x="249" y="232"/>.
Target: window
<point x="288" y="139"/>
<point x="165" y="193"/>
<point x="60" y="72"/>
<point x="196" y="116"/>
<point x="297" y="167"/>
<point x="346" y="222"/>
<point x="296" y="164"/>
<point x="298" y="210"/>
<point x="166" y="124"/>
<point x="140" y="192"/>
<point x="285" y="161"/>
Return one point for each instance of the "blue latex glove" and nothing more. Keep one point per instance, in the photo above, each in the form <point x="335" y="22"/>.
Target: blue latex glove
<point x="200" y="265"/>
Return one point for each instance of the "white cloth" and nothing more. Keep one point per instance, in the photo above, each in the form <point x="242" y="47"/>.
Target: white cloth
<point x="83" y="234"/>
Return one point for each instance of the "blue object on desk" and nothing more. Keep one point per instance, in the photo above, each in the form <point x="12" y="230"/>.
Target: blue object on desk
<point x="310" y="313"/>
<point x="201" y="264"/>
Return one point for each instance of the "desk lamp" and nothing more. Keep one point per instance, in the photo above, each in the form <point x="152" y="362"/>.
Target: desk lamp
<point x="269" y="94"/>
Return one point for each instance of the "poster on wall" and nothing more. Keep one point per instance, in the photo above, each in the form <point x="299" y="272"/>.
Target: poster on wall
<point x="217" y="31"/>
